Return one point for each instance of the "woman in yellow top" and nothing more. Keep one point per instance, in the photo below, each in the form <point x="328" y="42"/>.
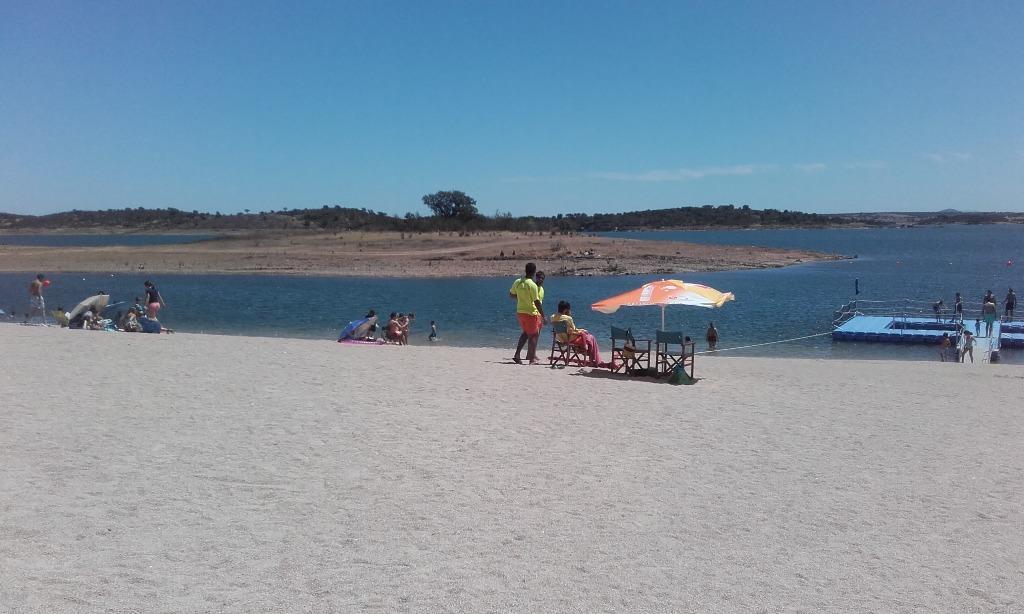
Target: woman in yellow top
<point x="577" y="336"/>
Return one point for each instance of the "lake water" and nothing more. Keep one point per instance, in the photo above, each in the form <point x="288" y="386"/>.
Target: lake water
<point x="916" y="263"/>
<point x="100" y="240"/>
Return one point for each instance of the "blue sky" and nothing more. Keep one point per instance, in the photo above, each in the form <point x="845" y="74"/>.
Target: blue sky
<point x="530" y="107"/>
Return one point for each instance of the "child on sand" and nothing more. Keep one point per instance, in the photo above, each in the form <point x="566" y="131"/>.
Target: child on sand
<point x="944" y="346"/>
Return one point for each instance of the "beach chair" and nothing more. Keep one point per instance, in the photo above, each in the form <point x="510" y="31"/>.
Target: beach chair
<point x="671" y="351"/>
<point x="628" y="354"/>
<point x="564" y="353"/>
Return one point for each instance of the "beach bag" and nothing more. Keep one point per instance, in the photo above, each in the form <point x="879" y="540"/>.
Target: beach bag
<point x="679" y="377"/>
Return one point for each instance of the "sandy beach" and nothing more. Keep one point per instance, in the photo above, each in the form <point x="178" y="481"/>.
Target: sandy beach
<point x="392" y="254"/>
<point x="202" y="473"/>
<point x="190" y="473"/>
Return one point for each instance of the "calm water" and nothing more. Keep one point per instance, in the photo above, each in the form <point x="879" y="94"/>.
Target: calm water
<point x="100" y="240"/>
<point x="920" y="264"/>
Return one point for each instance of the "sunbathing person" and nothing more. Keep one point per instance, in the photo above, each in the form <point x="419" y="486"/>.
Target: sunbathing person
<point x="577" y="336"/>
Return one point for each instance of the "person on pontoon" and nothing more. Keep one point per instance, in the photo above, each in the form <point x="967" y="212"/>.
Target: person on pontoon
<point x="988" y="313"/>
<point x="577" y="336"/>
<point x="968" y="346"/>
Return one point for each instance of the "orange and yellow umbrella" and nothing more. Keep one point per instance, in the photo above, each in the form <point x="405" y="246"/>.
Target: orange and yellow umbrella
<point x="666" y="292"/>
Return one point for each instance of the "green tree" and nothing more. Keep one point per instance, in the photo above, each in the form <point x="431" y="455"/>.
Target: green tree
<point x="452" y="205"/>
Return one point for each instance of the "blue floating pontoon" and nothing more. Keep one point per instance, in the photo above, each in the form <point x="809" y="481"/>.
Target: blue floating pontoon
<point x="909" y="322"/>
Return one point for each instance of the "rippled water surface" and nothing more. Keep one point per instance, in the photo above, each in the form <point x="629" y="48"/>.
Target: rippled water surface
<point x="915" y="263"/>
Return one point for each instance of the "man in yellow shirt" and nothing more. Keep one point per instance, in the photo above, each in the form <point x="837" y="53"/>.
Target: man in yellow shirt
<point x="530" y="313"/>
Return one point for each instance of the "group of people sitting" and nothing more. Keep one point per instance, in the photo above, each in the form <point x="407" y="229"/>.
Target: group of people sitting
<point x="137" y="320"/>
<point x="395" y="331"/>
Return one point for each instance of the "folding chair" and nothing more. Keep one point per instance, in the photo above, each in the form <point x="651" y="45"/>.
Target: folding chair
<point x="627" y="353"/>
<point x="564" y="352"/>
<point x="668" y="357"/>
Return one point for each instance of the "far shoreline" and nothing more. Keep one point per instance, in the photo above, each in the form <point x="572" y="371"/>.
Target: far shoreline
<point x="404" y="255"/>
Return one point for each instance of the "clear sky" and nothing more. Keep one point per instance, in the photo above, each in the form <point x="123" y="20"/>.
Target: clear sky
<point x="530" y="107"/>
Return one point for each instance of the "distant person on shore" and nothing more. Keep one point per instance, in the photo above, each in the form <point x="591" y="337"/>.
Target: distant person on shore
<point x="968" y="346"/>
<point x="371" y="331"/>
<point x="529" y="312"/>
<point x="433" y="331"/>
<point x="404" y="323"/>
<point x="1010" y="302"/>
<point x="958" y="308"/>
<point x="988" y="313"/>
<point x="938" y="307"/>
<point x="577" y="336"/>
<point x="944" y="346"/>
<point x="711" y="336"/>
<point x="977" y="327"/>
<point x="154" y="300"/>
<point x="394" y="329"/>
<point x="37" y="305"/>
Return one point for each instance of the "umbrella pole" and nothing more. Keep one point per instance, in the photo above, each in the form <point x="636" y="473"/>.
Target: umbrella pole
<point x="662" y="317"/>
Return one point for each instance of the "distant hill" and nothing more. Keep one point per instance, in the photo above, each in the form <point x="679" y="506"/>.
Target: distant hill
<point x="346" y="218"/>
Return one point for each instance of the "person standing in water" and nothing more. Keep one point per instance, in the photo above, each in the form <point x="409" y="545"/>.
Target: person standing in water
<point x="433" y="331"/>
<point x="154" y="300"/>
<point x="711" y="336"/>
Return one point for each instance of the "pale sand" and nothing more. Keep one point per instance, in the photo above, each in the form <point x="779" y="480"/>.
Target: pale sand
<point x="194" y="473"/>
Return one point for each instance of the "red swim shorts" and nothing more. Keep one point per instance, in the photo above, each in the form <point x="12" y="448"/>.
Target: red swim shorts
<point x="529" y="323"/>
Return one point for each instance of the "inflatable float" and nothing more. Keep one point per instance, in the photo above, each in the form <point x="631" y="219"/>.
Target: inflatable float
<point x="356" y="332"/>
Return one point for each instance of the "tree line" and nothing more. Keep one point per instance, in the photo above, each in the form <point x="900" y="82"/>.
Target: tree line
<point x="456" y="211"/>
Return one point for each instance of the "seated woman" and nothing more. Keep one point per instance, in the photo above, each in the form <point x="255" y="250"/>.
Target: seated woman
<point x="130" y="321"/>
<point x="577" y="336"/>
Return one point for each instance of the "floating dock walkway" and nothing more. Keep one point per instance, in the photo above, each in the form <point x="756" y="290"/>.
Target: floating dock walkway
<point x="905" y="322"/>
